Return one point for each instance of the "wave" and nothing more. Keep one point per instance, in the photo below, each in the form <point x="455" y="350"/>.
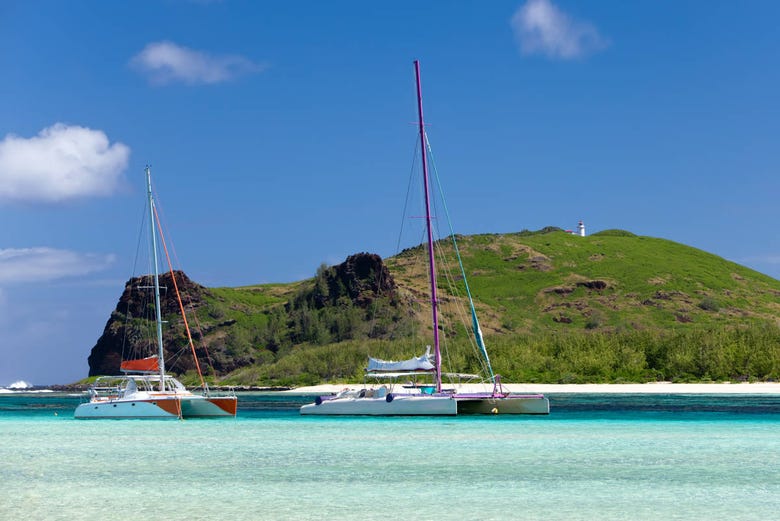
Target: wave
<point x="20" y="386"/>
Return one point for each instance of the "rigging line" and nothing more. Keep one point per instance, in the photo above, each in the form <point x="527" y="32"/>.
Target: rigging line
<point x="178" y="299"/>
<point x="199" y="328"/>
<point x="403" y="217"/>
<point x="443" y="264"/>
<point x="161" y="216"/>
<point x="408" y="192"/>
<point x="144" y="212"/>
<point x="177" y="355"/>
<point x="134" y="273"/>
<point x="374" y="307"/>
<point x="189" y="303"/>
<point x="475" y="322"/>
<point x="456" y="304"/>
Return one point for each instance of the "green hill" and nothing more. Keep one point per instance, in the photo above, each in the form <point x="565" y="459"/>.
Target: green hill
<point x="554" y="307"/>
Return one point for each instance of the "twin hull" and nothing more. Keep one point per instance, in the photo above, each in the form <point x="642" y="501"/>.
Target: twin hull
<point x="417" y="405"/>
<point x="397" y="406"/>
<point x="172" y="407"/>
<point x="522" y="404"/>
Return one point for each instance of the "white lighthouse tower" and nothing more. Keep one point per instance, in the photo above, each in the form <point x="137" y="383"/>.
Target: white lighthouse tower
<point x="581" y="228"/>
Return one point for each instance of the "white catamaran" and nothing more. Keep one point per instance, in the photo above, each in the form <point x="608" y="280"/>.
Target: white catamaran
<point x="145" y="390"/>
<point x="427" y="400"/>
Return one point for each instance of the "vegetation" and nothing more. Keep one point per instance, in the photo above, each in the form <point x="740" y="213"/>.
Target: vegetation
<point x="554" y="307"/>
<point x="743" y="354"/>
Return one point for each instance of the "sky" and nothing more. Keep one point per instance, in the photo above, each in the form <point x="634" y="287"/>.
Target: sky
<point x="280" y="136"/>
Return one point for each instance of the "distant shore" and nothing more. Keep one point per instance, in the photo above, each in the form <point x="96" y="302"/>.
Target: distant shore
<point x="647" y="388"/>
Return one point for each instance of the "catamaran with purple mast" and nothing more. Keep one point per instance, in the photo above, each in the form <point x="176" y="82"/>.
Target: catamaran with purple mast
<point x="392" y="399"/>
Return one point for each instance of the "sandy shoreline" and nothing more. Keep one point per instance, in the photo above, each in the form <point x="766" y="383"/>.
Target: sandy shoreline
<point x="648" y="388"/>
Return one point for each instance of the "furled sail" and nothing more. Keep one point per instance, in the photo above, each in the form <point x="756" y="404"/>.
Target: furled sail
<point x="149" y="364"/>
<point x="421" y="363"/>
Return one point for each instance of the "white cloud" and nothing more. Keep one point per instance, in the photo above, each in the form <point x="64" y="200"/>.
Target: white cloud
<point x="61" y="162"/>
<point x="166" y="62"/>
<point x="542" y="28"/>
<point x="24" y="265"/>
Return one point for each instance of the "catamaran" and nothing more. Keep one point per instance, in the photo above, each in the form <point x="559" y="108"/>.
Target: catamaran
<point x="144" y="390"/>
<point x="392" y="399"/>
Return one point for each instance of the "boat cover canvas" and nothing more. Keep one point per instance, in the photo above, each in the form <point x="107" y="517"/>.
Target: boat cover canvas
<point x="143" y="365"/>
<point x="421" y="363"/>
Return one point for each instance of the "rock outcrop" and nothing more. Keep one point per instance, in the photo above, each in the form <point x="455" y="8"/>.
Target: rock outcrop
<point x="129" y="331"/>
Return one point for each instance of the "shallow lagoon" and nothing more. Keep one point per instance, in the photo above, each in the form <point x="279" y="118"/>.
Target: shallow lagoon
<point x="594" y="457"/>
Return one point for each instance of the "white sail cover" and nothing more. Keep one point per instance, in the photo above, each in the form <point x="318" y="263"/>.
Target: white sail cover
<point x="421" y="363"/>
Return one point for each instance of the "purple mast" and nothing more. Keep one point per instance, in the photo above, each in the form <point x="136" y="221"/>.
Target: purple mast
<point x="431" y="266"/>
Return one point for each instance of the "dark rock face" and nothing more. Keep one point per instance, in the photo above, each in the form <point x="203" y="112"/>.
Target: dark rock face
<point x="133" y="317"/>
<point x="139" y="291"/>
<point x="361" y="277"/>
<point x="225" y="345"/>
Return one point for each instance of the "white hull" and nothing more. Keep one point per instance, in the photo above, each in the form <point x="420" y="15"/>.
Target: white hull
<point x="426" y="405"/>
<point x="168" y="408"/>
<point x="400" y="405"/>
<point x="532" y="404"/>
<point x="144" y="390"/>
<point x="160" y="407"/>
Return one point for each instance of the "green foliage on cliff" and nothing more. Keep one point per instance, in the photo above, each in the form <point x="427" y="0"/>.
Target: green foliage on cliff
<point x="554" y="307"/>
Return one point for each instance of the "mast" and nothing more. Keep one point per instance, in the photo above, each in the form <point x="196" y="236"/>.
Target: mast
<point x="158" y="315"/>
<point x="431" y="262"/>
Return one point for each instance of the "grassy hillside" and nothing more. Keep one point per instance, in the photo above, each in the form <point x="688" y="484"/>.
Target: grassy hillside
<point x="610" y="281"/>
<point x="554" y="307"/>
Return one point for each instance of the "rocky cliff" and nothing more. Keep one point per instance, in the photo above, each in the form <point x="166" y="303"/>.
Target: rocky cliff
<point x="130" y="328"/>
<point x="233" y="332"/>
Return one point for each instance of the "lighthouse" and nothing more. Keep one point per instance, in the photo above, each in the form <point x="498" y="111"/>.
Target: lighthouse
<point x="581" y="228"/>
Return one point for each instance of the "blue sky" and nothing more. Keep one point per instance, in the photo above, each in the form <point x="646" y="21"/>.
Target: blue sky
<point x="281" y="134"/>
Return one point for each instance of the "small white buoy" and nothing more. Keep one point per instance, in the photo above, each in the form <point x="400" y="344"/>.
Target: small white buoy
<point x="494" y="410"/>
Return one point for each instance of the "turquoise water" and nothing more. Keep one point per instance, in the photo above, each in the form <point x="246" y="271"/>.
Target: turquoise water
<point x="596" y="457"/>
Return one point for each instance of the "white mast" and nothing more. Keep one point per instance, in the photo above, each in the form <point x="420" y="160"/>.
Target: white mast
<point x="158" y="315"/>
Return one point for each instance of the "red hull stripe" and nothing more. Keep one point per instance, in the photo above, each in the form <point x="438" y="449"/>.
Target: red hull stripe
<point x="172" y="406"/>
<point x="228" y="404"/>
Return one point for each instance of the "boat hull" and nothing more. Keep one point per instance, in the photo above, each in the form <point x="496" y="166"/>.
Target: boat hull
<point x="158" y="408"/>
<point x="209" y="407"/>
<point x="399" y="405"/>
<point x="166" y="408"/>
<point x="511" y="404"/>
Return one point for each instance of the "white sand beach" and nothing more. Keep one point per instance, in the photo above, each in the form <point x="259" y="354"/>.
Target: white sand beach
<point x="648" y="388"/>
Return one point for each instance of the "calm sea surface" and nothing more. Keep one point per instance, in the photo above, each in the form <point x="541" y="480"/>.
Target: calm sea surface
<point x="596" y="457"/>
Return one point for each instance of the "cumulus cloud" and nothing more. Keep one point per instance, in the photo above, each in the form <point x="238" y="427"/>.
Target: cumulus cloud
<point x="24" y="265"/>
<point x="166" y="62"/>
<point x="542" y="28"/>
<point x="61" y="162"/>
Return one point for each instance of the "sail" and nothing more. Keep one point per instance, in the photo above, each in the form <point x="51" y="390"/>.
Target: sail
<point x="421" y="363"/>
<point x="149" y="364"/>
<point x="478" y="337"/>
